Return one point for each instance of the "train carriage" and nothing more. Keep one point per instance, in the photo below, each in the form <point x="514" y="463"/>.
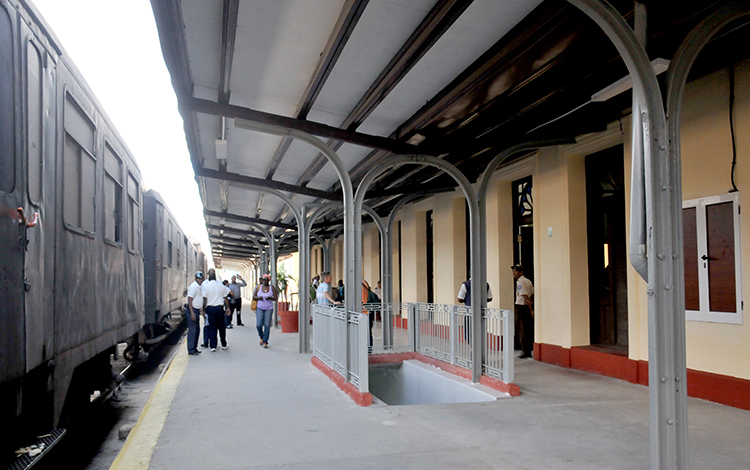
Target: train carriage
<point x="71" y="228"/>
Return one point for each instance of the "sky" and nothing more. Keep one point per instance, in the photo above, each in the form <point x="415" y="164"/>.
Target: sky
<point x="115" y="45"/>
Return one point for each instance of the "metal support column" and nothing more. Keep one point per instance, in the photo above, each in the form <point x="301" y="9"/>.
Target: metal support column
<point x="663" y="188"/>
<point x="478" y="296"/>
<point x="388" y="269"/>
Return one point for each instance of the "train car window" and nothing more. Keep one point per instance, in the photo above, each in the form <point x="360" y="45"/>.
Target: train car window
<point x="134" y="215"/>
<point x="7" y="104"/>
<point x="112" y="195"/>
<point x="34" y="109"/>
<point x="79" y="168"/>
<point x="169" y="245"/>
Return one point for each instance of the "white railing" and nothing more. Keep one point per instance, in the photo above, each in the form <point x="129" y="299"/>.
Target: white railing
<point x="441" y="331"/>
<point x="341" y="343"/>
<point x="389" y="331"/>
<point x="444" y="332"/>
<point x="498" y="345"/>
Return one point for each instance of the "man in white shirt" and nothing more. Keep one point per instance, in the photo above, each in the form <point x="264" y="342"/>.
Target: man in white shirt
<point x="194" y="307"/>
<point x="379" y="291"/>
<point x="216" y="306"/>
<point x="524" y="314"/>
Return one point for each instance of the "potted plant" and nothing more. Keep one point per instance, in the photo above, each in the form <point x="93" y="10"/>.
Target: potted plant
<point x="289" y="318"/>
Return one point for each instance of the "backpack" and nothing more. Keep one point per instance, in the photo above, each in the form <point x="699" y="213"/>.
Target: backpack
<point x="372" y="297"/>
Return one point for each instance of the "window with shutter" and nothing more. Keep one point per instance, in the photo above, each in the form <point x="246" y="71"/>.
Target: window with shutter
<point x="713" y="268"/>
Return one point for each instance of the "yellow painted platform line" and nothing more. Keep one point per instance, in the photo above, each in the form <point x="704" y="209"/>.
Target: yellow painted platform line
<point x="139" y="447"/>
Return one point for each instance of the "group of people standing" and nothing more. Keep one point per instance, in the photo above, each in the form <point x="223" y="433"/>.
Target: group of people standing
<point x="524" y="309"/>
<point x="217" y="302"/>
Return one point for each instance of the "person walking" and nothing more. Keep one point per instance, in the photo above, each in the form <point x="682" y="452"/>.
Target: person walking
<point x="265" y="294"/>
<point x="235" y="302"/>
<point x="193" y="313"/>
<point x="217" y="307"/>
<point x="464" y="297"/>
<point x="323" y="293"/>
<point x="228" y="294"/>
<point x="524" y="314"/>
<point x="368" y="297"/>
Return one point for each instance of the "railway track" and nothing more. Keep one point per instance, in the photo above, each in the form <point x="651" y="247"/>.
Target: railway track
<point x="93" y="442"/>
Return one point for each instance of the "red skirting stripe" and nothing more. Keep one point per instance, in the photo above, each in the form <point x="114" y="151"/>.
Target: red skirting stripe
<point x="722" y="389"/>
<point x="552" y="354"/>
<point x="619" y="367"/>
<point x="360" y="398"/>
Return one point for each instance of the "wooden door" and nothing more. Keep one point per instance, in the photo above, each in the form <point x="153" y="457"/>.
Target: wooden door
<point x="607" y="248"/>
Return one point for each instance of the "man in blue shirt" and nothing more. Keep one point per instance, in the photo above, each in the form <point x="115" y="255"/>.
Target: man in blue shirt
<point x="323" y="293"/>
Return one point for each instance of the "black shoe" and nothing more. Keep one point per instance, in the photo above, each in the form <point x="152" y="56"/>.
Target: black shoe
<point x="194" y="353"/>
<point x="229" y="327"/>
<point x="524" y="356"/>
<point x="204" y="345"/>
<point x="240" y="324"/>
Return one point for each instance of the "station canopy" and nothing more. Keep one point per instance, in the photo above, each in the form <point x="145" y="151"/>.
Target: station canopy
<point x="460" y="80"/>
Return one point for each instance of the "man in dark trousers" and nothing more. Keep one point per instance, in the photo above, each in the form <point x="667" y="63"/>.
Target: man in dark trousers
<point x="524" y="313"/>
<point x="216" y="306"/>
<point x="235" y="301"/>
<point x="194" y="308"/>
<point x="464" y="297"/>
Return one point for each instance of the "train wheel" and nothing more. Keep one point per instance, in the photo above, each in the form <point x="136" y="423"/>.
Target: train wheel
<point x="132" y="350"/>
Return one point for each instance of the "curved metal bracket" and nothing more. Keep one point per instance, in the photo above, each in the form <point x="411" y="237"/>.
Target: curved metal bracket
<point x="478" y="298"/>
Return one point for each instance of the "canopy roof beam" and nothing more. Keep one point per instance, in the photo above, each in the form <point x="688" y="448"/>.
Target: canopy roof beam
<point x="243" y="179"/>
<point x="240" y="114"/>
<point x="248" y="220"/>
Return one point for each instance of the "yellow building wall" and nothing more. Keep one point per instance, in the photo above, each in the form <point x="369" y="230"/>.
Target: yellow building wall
<point x="413" y="254"/>
<point x="371" y="254"/>
<point x="499" y="210"/>
<point x="551" y="305"/>
<point x="561" y="259"/>
<point x="449" y="246"/>
<point x="706" y="163"/>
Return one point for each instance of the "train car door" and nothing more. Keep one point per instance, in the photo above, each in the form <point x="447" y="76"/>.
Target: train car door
<point x="12" y="234"/>
<point x="39" y="149"/>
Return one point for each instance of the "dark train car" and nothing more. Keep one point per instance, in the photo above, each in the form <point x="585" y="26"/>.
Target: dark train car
<point x="169" y="260"/>
<point x="72" y="284"/>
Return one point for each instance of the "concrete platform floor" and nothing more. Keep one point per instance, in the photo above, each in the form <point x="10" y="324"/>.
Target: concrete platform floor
<point x="249" y="407"/>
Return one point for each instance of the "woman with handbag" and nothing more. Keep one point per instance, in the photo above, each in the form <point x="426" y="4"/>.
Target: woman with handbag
<point x="265" y="295"/>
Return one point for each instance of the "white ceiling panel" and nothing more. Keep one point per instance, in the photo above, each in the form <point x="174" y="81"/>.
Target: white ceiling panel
<point x="277" y="46"/>
<point x="213" y="195"/>
<point x="250" y="152"/>
<point x="483" y="24"/>
<point x="299" y="156"/>
<point x="325" y="178"/>
<point x="242" y="202"/>
<point x="382" y="30"/>
<point x="203" y="21"/>
<point x="209" y="131"/>
<point x="352" y="154"/>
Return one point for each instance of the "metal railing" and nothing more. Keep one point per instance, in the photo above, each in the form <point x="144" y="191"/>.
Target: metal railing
<point x="441" y="331"/>
<point x="444" y="332"/>
<point x="498" y="346"/>
<point x="341" y="341"/>
<point x="389" y="331"/>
